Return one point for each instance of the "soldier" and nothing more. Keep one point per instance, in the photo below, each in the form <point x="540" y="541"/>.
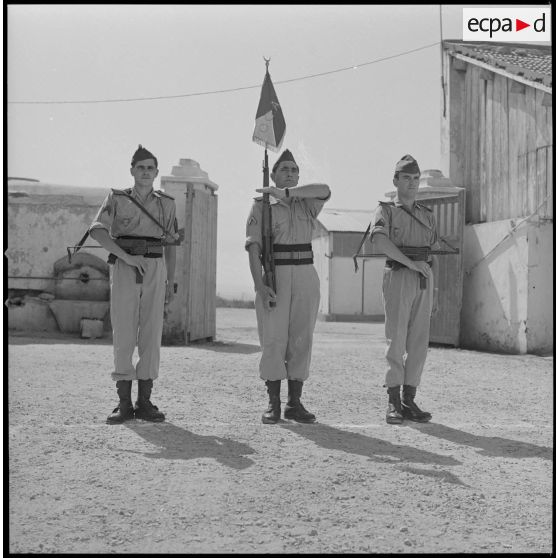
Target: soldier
<point x="286" y="330"/>
<point x="142" y="281"/>
<point x="408" y="307"/>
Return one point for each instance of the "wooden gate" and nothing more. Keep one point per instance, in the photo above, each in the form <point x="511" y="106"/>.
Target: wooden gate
<point x="450" y="218"/>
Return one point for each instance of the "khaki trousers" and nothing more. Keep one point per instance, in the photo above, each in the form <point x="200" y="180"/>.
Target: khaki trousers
<point x="407" y="326"/>
<point x="286" y="331"/>
<point x="136" y="312"/>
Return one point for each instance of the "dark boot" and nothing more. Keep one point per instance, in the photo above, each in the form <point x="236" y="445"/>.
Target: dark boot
<point x="144" y="409"/>
<point x="273" y="413"/>
<point x="125" y="409"/>
<point x="393" y="415"/>
<point x="409" y="409"/>
<point x="294" y="410"/>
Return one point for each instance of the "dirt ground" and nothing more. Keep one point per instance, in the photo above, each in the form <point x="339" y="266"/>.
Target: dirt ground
<point x="214" y="479"/>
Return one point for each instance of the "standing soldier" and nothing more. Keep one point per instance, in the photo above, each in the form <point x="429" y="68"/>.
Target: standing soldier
<point x="408" y="307"/>
<point x="135" y="226"/>
<point x="286" y="328"/>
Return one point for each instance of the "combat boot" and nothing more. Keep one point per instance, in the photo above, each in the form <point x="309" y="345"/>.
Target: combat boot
<point x="394" y="415"/>
<point x="273" y="413"/>
<point x="144" y="409"/>
<point x="294" y="409"/>
<point x="125" y="409"/>
<point x="409" y="409"/>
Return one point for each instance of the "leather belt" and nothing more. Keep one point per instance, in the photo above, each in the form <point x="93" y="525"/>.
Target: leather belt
<point x="293" y="254"/>
<point x="395" y="265"/>
<point x="304" y="261"/>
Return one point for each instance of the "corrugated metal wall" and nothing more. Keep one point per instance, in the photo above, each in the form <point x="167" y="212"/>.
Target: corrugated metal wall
<point x="449" y="213"/>
<point x="501" y="144"/>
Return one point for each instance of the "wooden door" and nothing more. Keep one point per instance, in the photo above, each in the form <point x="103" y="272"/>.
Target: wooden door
<point x="450" y="218"/>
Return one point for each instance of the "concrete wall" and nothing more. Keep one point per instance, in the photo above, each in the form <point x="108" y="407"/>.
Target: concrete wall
<point x="42" y="220"/>
<point x="38" y="235"/>
<point x="540" y="296"/>
<point x="507" y="288"/>
<point x="40" y="226"/>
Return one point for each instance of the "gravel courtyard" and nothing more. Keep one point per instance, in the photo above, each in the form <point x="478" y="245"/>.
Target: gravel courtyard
<point x="214" y="479"/>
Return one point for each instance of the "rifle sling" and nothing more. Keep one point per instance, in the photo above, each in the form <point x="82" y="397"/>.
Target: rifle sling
<point x="146" y="212"/>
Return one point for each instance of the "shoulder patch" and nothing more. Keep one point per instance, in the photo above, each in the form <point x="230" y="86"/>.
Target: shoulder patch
<point x="161" y="193"/>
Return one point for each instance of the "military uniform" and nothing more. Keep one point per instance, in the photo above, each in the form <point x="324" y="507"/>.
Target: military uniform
<point x="286" y="332"/>
<point x="407" y="291"/>
<point x="137" y="308"/>
<point x="407" y="306"/>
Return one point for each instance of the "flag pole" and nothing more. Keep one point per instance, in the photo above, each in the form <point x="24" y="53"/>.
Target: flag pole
<point x="269" y="132"/>
<point x="267" y="234"/>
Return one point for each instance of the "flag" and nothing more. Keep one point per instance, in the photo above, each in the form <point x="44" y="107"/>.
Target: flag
<point x="270" y="124"/>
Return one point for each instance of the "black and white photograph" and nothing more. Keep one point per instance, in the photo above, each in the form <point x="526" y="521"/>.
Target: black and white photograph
<point x="279" y="278"/>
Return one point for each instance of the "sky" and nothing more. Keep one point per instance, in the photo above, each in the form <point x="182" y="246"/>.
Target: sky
<point x="345" y="128"/>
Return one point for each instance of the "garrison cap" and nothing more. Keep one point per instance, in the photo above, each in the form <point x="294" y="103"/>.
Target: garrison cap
<point x="407" y="164"/>
<point x="141" y="154"/>
<point x="285" y="156"/>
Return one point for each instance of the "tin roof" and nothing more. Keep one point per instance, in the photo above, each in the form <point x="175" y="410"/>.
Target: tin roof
<point x="530" y="62"/>
<point x="345" y="220"/>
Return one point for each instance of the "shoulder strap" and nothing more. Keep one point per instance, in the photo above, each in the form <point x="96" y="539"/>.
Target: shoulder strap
<point x="422" y="206"/>
<point x="164" y="194"/>
<point x="415" y="218"/>
<point x="362" y="241"/>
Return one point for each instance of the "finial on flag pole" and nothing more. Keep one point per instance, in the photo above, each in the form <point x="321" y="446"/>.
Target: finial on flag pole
<point x="267" y="61"/>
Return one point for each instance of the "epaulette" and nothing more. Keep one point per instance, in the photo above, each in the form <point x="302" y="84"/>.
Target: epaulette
<point x="126" y="192"/>
<point x="160" y="192"/>
<point x="424" y="206"/>
<point x="387" y="203"/>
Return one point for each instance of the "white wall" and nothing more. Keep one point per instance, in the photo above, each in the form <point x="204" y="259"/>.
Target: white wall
<point x="346" y="287"/>
<point x="502" y="294"/>
<point x="540" y="314"/>
<point x="40" y="227"/>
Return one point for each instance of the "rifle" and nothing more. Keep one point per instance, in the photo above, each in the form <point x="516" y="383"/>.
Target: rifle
<point x="266" y="257"/>
<point x="416" y="253"/>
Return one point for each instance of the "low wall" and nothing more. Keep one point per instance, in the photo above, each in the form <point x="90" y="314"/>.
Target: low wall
<point x="507" y="287"/>
<point x="42" y="221"/>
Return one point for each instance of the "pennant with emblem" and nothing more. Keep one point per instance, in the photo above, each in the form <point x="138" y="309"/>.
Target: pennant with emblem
<point x="270" y="123"/>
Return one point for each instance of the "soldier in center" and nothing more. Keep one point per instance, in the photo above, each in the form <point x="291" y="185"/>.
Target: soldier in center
<point x="286" y="329"/>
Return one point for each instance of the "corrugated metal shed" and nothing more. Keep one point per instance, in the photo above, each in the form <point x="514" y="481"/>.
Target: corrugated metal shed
<point x="530" y="62"/>
<point x="345" y="220"/>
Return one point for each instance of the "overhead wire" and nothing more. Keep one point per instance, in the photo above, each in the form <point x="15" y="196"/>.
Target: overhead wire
<point x="230" y="90"/>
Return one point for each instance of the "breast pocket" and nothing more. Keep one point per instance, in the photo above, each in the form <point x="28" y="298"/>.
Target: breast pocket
<point x="126" y="218"/>
<point x="280" y="221"/>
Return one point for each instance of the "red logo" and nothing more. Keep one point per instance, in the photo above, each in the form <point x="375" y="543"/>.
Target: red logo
<point x="519" y="25"/>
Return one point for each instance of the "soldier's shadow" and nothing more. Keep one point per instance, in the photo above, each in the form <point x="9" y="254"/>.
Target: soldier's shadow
<point x="374" y="448"/>
<point x="492" y="446"/>
<point x="174" y="442"/>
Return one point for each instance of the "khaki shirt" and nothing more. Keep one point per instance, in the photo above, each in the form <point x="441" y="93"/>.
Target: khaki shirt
<point x="293" y="222"/>
<point x="122" y="217"/>
<point x="402" y="229"/>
